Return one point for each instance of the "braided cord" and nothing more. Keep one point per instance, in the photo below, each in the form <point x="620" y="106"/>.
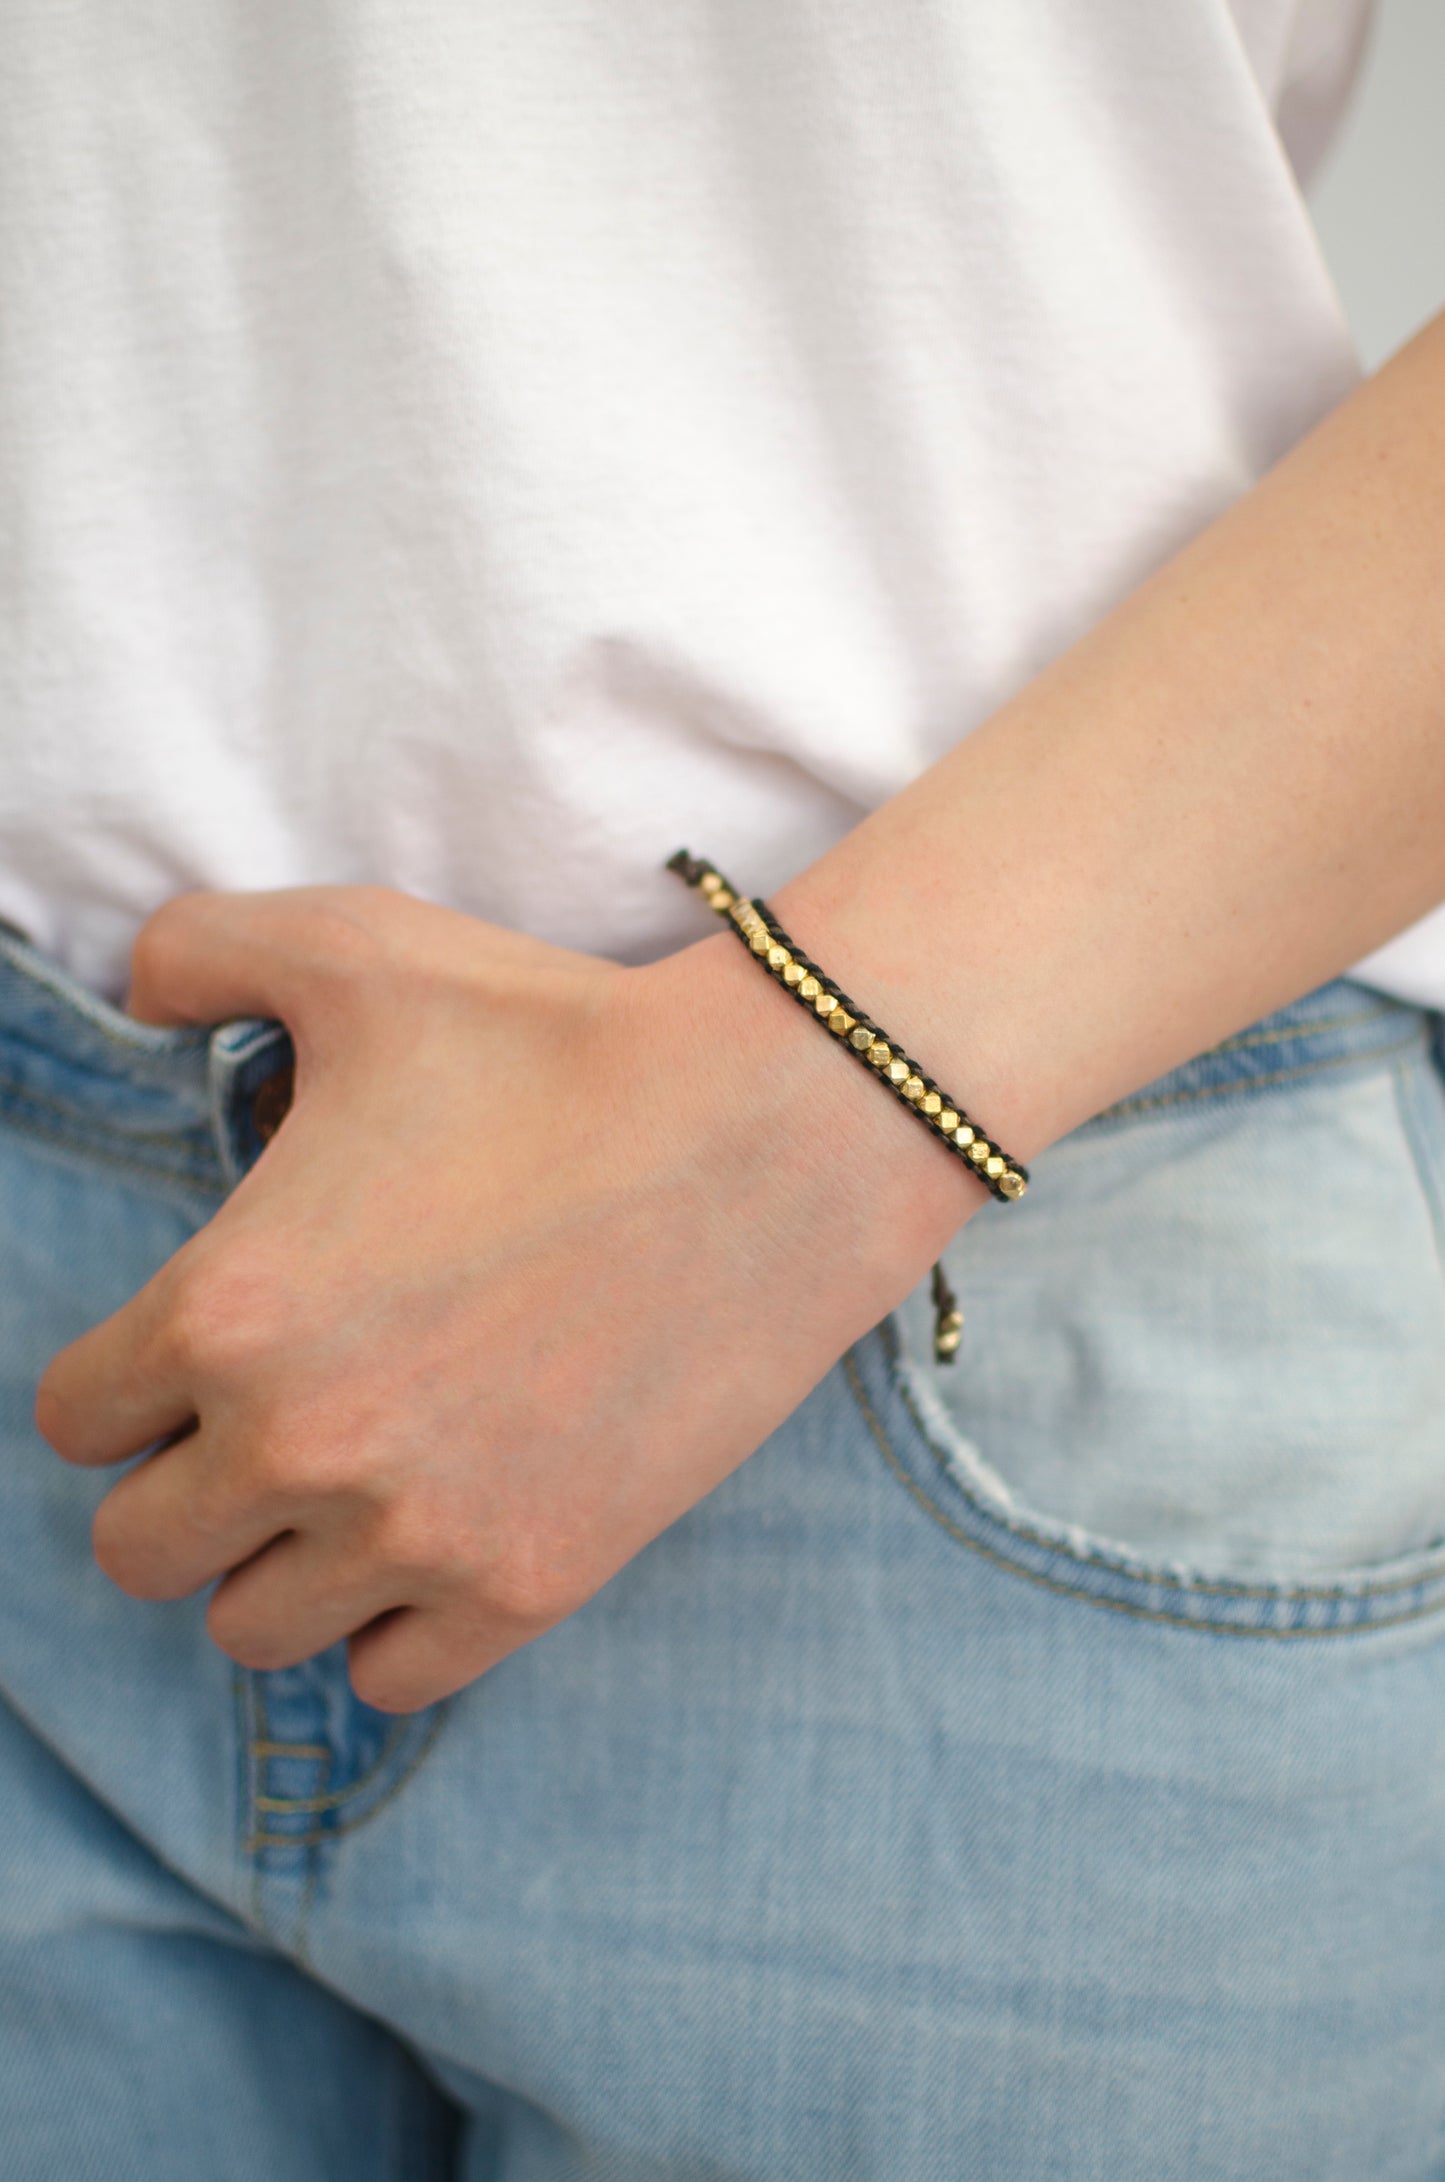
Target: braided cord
<point x="812" y="988"/>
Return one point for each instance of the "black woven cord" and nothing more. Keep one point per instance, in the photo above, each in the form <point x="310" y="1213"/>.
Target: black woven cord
<point x="866" y="1022"/>
<point x="694" y="868"/>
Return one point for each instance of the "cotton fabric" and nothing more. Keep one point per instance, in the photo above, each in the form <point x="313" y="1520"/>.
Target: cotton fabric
<point x="475" y="445"/>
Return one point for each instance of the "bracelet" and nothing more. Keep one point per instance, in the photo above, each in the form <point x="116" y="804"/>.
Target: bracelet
<point x="763" y="936"/>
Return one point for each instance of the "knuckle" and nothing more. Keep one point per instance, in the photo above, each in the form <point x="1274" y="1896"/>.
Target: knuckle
<point x="286" y="1464"/>
<point x="342" y="934"/>
<point x="525" y="1589"/>
<point x="224" y="1314"/>
<point x="409" y="1544"/>
<point x="236" y="1630"/>
<point x="219" y="1499"/>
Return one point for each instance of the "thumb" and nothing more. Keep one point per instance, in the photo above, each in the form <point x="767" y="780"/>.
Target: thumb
<point x="206" y="956"/>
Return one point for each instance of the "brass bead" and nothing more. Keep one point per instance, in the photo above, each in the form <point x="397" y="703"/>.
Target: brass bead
<point x="710" y="881"/>
<point x="948" y="1119"/>
<point x="913" y="1087"/>
<point x="948" y="1332"/>
<point x="965" y="1134"/>
<point x="759" y="942"/>
<point x="978" y="1150"/>
<point x="898" y="1071"/>
<point x="794" y="974"/>
<point x="880" y="1054"/>
<point x="810" y="988"/>
<point x="841" y="1022"/>
<point x="860" y="1039"/>
<point x="778" y="958"/>
<point x="1012" y="1185"/>
<point x="993" y="1166"/>
<point x="932" y="1104"/>
<point x="722" y="899"/>
<point x="825" y="1004"/>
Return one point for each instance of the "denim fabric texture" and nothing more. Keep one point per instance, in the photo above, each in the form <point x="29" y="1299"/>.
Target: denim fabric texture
<point x="1030" y="1768"/>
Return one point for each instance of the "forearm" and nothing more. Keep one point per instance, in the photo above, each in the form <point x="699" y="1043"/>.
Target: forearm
<point x="425" y="1382"/>
<point x="1229" y="791"/>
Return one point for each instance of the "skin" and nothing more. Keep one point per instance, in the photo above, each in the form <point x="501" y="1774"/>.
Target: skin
<point x="545" y="1247"/>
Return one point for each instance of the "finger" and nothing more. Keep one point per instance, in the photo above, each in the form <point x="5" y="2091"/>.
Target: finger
<point x="205" y="956"/>
<point x="180" y="1519"/>
<point x="416" y="1654"/>
<point x="301" y="1594"/>
<point x="120" y="1386"/>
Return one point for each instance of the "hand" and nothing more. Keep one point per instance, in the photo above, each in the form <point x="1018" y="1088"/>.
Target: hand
<point x="542" y="1250"/>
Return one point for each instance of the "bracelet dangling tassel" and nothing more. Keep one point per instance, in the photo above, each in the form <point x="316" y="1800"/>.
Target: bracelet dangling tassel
<point x="947" y="1318"/>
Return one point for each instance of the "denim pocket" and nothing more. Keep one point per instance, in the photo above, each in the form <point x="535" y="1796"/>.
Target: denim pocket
<point x="1206" y="1355"/>
<point x="48" y="988"/>
<point x="178" y="1101"/>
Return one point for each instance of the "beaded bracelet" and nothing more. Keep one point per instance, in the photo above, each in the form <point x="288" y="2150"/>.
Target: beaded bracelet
<point x="760" y="931"/>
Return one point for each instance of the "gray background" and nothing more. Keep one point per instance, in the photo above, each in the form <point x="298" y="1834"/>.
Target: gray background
<point x="1378" y="199"/>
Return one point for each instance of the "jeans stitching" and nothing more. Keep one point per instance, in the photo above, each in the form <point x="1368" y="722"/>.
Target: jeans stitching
<point x="1251" y="1083"/>
<point x="208" y="1178"/>
<point x="335" y="1797"/>
<point x="1044" y="1541"/>
<point x="1352" y="1595"/>
<point x="89" y="1005"/>
<point x="1302" y="1029"/>
<point x="265" y="1749"/>
<point x="321" y="1834"/>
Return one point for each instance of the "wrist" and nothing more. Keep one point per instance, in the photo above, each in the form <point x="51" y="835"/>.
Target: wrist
<point x="880" y="932"/>
<point x="822" y="1153"/>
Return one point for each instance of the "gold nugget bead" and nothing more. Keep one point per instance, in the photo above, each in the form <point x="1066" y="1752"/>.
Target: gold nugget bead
<point x="948" y="1333"/>
<point x="770" y="943"/>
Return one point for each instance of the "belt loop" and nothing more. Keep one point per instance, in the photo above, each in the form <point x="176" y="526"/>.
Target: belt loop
<point x="251" y="1064"/>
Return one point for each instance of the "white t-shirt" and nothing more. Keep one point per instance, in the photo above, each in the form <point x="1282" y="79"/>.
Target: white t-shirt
<point x="478" y="445"/>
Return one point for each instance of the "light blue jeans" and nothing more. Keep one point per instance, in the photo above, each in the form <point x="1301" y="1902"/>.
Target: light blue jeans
<point x="1033" y="1768"/>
